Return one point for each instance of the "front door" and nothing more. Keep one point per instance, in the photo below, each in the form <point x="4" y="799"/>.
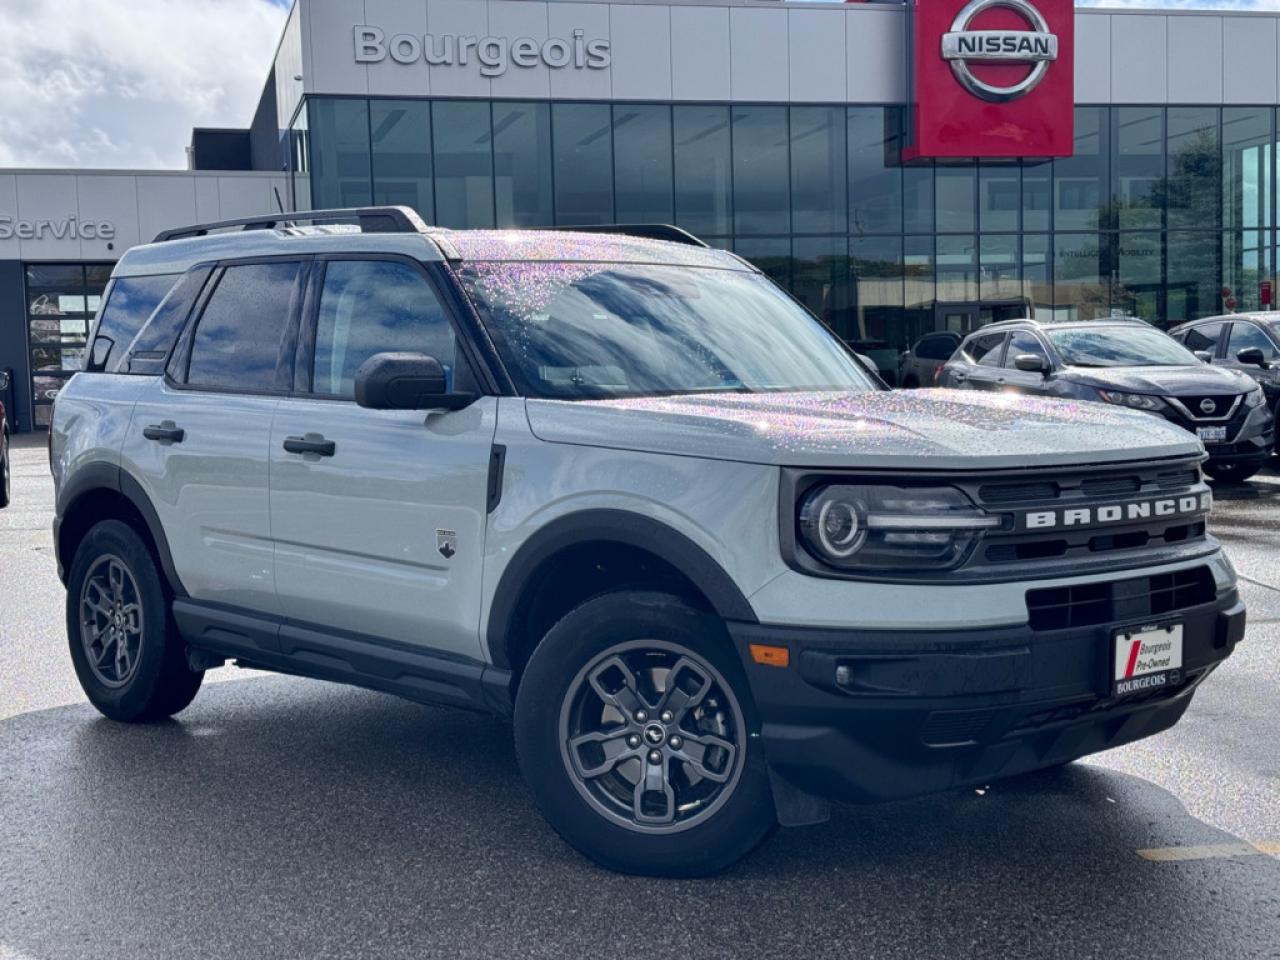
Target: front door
<point x="378" y="516"/>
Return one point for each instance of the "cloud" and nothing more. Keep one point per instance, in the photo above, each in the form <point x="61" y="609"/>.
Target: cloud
<point x="120" y="83"/>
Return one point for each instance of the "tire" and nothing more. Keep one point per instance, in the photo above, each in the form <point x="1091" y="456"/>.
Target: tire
<point x="1232" y="472"/>
<point x="6" y="488"/>
<point x="115" y="594"/>
<point x="695" y="824"/>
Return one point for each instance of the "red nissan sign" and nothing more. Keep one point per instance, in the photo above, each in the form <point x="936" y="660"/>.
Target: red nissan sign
<point x="992" y="78"/>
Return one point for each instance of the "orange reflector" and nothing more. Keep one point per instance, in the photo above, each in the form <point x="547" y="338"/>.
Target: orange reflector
<point x="770" y="656"/>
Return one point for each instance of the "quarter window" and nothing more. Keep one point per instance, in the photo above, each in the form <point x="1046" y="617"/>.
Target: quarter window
<point x="1246" y="335"/>
<point x="237" y="342"/>
<point x="369" y="307"/>
<point x="130" y="303"/>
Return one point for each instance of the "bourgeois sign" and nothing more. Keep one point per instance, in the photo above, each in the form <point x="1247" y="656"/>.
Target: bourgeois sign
<point x="992" y="78"/>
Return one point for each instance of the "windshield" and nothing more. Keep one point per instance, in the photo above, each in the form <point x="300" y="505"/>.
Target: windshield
<point x="597" y="330"/>
<point x="1127" y="346"/>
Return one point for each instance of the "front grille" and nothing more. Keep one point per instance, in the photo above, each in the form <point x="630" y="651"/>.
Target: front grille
<point x="1098" y="543"/>
<point x="1117" y="601"/>
<point x="950" y="728"/>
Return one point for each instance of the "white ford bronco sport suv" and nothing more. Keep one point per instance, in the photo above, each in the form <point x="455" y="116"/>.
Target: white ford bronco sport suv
<point x="620" y="487"/>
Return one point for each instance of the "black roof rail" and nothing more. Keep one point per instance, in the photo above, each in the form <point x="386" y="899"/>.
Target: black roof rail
<point x="370" y="219"/>
<point x="648" y="231"/>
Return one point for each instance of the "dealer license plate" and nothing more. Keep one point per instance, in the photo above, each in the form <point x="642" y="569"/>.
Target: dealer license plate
<point x="1147" y="659"/>
<point x="1212" y="434"/>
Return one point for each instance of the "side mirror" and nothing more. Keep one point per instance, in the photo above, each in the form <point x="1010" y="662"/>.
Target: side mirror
<point x="1252" y="356"/>
<point x="1031" y="363"/>
<point x="406" y="381"/>
<point x="1204" y="356"/>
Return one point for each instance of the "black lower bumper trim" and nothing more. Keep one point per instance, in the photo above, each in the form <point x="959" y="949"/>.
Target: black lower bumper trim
<point x="877" y="715"/>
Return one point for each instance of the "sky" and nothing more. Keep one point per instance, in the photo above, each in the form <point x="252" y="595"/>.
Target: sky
<point x="120" y="83"/>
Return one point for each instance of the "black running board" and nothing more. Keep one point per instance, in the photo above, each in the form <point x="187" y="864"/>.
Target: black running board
<point x="307" y="650"/>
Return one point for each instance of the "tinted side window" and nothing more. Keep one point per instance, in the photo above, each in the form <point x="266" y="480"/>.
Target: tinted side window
<point x="1204" y="337"/>
<point x="1246" y="335"/>
<point x="936" y="348"/>
<point x="369" y="307"/>
<point x="150" y="348"/>
<point x="985" y="351"/>
<point x="1023" y="342"/>
<point x="131" y="301"/>
<point x="237" y="340"/>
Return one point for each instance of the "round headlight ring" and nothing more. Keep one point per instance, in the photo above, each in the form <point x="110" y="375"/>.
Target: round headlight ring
<point x="847" y="532"/>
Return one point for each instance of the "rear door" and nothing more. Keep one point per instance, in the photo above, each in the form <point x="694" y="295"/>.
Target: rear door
<point x="199" y="438"/>
<point x="382" y="533"/>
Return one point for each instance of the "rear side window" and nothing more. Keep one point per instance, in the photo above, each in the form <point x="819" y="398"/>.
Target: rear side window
<point x="985" y="351"/>
<point x="237" y="341"/>
<point x="1204" y="337"/>
<point x="130" y="304"/>
<point x="936" y="348"/>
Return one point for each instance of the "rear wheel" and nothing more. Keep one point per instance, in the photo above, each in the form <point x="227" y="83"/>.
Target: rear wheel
<point x="1232" y="472"/>
<point x="126" y="651"/>
<point x="633" y="730"/>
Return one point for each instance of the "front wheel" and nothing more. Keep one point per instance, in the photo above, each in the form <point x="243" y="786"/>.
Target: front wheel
<point x="633" y="729"/>
<point x="125" y="649"/>
<point x="1232" y="472"/>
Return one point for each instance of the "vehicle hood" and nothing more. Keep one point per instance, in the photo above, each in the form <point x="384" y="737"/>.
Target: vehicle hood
<point x="1189" y="381"/>
<point x="933" y="429"/>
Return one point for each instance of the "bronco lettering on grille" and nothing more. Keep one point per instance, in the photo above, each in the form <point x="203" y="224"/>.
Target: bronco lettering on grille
<point x="1097" y="516"/>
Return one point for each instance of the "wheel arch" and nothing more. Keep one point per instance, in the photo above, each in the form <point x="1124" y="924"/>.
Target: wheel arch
<point x="613" y="532"/>
<point x="102" y="491"/>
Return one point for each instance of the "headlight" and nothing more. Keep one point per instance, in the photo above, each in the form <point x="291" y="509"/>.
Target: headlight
<point x="883" y="528"/>
<point x="1255" y="398"/>
<point x="1138" y="401"/>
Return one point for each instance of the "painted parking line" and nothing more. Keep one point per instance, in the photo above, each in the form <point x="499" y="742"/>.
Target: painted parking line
<point x="1211" y="851"/>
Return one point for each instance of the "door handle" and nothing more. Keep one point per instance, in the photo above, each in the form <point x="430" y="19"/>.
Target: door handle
<point x="168" y="431"/>
<point x="311" y="443"/>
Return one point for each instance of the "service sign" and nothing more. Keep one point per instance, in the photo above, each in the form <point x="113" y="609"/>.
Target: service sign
<point x="992" y="78"/>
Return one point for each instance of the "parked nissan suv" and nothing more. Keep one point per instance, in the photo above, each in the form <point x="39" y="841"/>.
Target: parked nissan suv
<point x="1124" y="363"/>
<point x="618" y="487"/>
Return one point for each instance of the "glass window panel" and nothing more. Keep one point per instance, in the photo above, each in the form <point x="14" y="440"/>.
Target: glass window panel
<point x="1037" y="276"/>
<point x="875" y="176"/>
<point x="917" y="199"/>
<point x="703" y="179"/>
<point x="300" y="162"/>
<point x="1246" y="336"/>
<point x="1079" y="180"/>
<point x="999" y="197"/>
<point x="878" y="325"/>
<point x="522" y="164"/>
<point x="369" y="307"/>
<point x="1247" y="157"/>
<point x="820" y="279"/>
<point x="1023" y="343"/>
<point x="1204" y="338"/>
<point x="1137" y="168"/>
<point x="957" y="269"/>
<point x="1194" y="276"/>
<point x="236" y="346"/>
<point x="463" y="159"/>
<point x="642" y="164"/>
<point x="1244" y="267"/>
<point x="918" y="285"/>
<point x="1138" y="288"/>
<point x="818" y="170"/>
<point x="583" y="162"/>
<point x="1194" y="190"/>
<point x="133" y="300"/>
<point x="341" y="174"/>
<point x="761" y="180"/>
<point x="955" y="190"/>
<point x="1037" y="196"/>
<point x="1001" y="275"/>
<point x="58" y="276"/>
<point x="401" y="138"/>
<point x="1080" y="280"/>
<point x="771" y="254"/>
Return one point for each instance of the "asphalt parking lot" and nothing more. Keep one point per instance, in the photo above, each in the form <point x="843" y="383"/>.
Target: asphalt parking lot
<point x="287" y="818"/>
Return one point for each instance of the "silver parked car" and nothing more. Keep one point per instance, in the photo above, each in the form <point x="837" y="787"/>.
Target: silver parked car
<point x="919" y="366"/>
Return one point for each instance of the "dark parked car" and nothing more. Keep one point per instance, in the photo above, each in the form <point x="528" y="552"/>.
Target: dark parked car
<point x="1248" y="342"/>
<point x="919" y="366"/>
<point x="4" y="442"/>
<point x="1125" y="363"/>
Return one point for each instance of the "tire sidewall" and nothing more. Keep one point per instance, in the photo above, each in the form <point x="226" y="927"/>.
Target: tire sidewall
<point x="740" y="824"/>
<point x="135" y="699"/>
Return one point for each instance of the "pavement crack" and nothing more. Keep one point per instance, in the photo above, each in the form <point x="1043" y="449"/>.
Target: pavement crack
<point x="1258" y="583"/>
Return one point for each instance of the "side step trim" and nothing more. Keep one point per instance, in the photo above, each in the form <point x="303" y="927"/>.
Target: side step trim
<point x="311" y="651"/>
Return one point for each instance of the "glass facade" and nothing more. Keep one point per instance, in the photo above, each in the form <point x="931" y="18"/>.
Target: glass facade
<point x="61" y="299"/>
<point x="1163" y="212"/>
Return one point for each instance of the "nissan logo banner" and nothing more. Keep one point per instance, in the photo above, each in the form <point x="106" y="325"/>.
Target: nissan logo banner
<point x="992" y="78"/>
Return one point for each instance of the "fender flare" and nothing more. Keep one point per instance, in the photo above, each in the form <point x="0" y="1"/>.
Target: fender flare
<point x="615" y="526"/>
<point x="113" y="477"/>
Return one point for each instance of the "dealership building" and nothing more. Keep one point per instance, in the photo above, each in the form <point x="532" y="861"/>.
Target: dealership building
<point x="900" y="168"/>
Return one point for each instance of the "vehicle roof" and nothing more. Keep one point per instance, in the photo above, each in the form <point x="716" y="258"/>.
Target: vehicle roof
<point x="180" y="255"/>
<point x="1258" y="316"/>
<point x="1027" y="323"/>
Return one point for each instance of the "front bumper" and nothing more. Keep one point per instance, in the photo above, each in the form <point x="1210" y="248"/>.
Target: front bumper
<point x="866" y="716"/>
